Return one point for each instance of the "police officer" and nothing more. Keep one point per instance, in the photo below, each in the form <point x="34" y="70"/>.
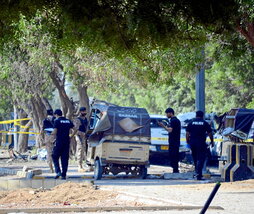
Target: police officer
<point x="62" y="128"/>
<point x="48" y="126"/>
<point x="80" y="137"/>
<point x="196" y="133"/>
<point x="174" y="133"/>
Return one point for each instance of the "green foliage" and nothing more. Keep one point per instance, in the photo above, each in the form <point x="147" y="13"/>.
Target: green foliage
<point x="158" y="37"/>
<point x="155" y="98"/>
<point x="229" y="83"/>
<point x="230" y="78"/>
<point x="132" y="52"/>
<point x="246" y="7"/>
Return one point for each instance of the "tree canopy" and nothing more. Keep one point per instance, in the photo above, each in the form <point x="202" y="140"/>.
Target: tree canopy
<point x="133" y="52"/>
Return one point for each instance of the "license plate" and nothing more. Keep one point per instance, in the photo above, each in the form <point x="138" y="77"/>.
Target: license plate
<point x="164" y="147"/>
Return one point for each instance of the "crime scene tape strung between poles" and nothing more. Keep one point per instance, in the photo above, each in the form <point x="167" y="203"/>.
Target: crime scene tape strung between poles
<point x="13" y="121"/>
<point x="208" y="140"/>
<point x="19" y="132"/>
<point x="16" y="123"/>
<point x="21" y="126"/>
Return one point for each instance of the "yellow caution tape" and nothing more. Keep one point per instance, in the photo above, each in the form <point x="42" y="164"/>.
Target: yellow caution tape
<point x="12" y="128"/>
<point x="159" y="138"/>
<point x="16" y="123"/>
<point x="13" y="121"/>
<point x="182" y="139"/>
<point x="21" y="126"/>
<point x="19" y="132"/>
<point x="215" y="140"/>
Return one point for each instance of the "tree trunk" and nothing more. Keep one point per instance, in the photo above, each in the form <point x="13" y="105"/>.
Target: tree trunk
<point x="66" y="103"/>
<point x="23" y="138"/>
<point x="35" y="108"/>
<point x="46" y="103"/>
<point x="83" y="97"/>
<point x="38" y="114"/>
<point x="247" y="32"/>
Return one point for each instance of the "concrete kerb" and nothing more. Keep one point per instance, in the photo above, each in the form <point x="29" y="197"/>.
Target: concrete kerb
<point x="13" y="184"/>
<point x="103" y="209"/>
<point x="6" y="171"/>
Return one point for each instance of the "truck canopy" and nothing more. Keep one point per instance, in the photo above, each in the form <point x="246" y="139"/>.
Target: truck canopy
<point x="124" y="121"/>
<point x="237" y="123"/>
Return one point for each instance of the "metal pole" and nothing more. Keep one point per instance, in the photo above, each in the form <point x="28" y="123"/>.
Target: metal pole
<point x="211" y="196"/>
<point x="200" y="92"/>
<point x="15" y="130"/>
<point x="200" y="87"/>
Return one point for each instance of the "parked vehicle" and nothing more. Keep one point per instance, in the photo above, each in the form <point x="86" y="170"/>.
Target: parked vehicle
<point x="159" y="138"/>
<point x="119" y="140"/>
<point x="159" y="141"/>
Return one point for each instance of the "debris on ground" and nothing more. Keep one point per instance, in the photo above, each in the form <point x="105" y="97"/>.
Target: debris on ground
<point x="42" y="154"/>
<point x="28" y="172"/>
<point x="186" y="167"/>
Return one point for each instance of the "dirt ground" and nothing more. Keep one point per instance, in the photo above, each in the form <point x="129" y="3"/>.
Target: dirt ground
<point x="233" y="197"/>
<point x="67" y="194"/>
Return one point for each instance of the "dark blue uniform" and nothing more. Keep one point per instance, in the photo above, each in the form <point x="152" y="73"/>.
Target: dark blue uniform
<point x="84" y="124"/>
<point x="174" y="143"/>
<point x="62" y="145"/>
<point x="198" y="129"/>
<point x="48" y="123"/>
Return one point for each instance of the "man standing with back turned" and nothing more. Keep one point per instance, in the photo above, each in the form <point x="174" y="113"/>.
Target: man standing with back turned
<point x="174" y="134"/>
<point x="196" y="133"/>
<point x="81" y="125"/>
<point x="48" y="126"/>
<point x="62" y="128"/>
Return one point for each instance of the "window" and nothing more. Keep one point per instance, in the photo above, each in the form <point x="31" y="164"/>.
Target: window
<point x="154" y="122"/>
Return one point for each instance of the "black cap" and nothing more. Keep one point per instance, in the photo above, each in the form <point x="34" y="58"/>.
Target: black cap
<point x="49" y="112"/>
<point x="82" y="109"/>
<point x="58" y="112"/>
<point x="170" y="110"/>
<point x="200" y="114"/>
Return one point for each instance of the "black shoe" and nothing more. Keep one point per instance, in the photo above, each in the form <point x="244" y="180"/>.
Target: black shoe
<point x="63" y="178"/>
<point x="200" y="179"/>
<point x="176" y="171"/>
<point x="58" y="176"/>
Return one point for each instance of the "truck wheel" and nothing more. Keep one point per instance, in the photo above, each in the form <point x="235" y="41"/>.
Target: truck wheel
<point x="143" y="172"/>
<point x="97" y="170"/>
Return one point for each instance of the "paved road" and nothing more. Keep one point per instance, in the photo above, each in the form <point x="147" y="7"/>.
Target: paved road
<point x="236" y="199"/>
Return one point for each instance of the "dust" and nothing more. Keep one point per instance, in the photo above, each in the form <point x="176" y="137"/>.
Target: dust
<point x="67" y="194"/>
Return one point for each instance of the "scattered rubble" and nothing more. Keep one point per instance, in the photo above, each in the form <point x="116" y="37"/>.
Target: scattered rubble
<point x="28" y="172"/>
